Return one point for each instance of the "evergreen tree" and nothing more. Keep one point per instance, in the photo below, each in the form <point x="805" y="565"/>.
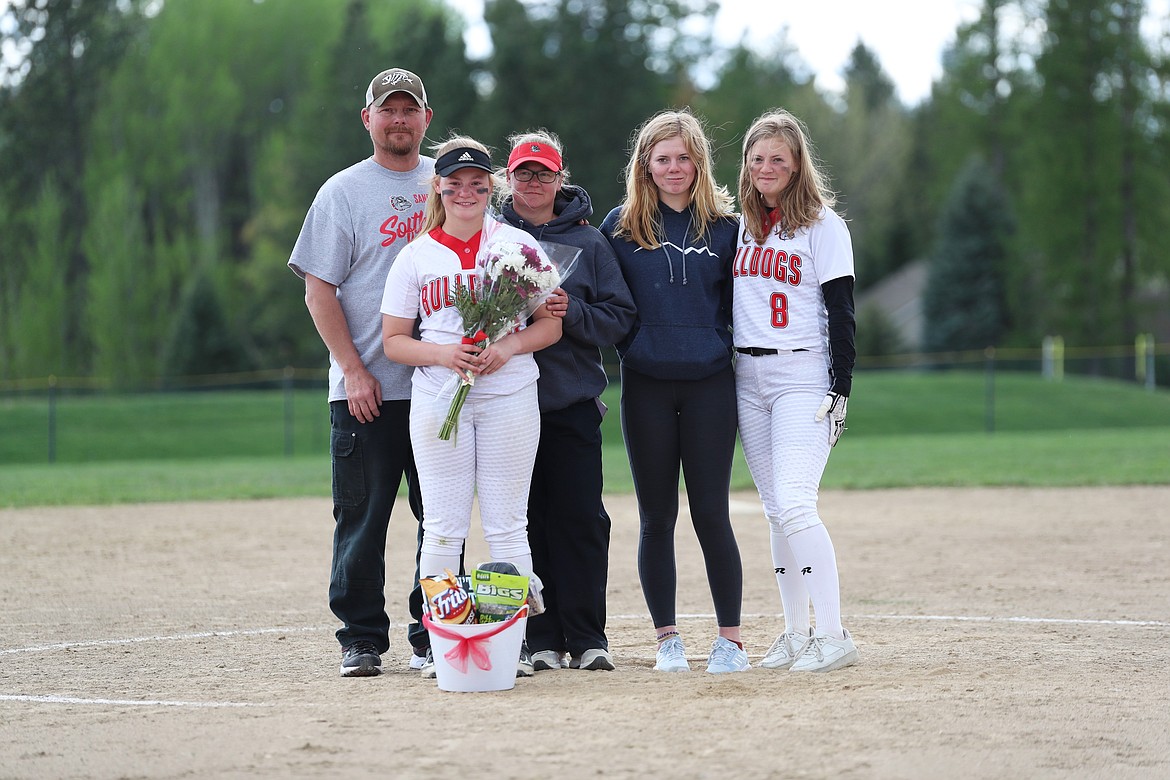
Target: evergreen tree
<point x="974" y="108"/>
<point x="1072" y="157"/>
<point x="963" y="304"/>
<point x="867" y="151"/>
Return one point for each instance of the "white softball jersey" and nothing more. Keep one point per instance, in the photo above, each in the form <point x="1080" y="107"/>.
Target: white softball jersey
<point x="492" y="453"/>
<point x="778" y="303"/>
<point x="421" y="285"/>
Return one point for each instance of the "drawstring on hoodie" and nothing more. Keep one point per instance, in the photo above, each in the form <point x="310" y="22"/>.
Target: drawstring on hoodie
<point x="683" y="251"/>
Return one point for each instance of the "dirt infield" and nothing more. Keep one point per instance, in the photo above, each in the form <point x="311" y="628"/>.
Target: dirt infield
<point x="1010" y="632"/>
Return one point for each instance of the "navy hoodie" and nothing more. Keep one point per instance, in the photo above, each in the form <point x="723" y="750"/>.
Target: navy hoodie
<point x="682" y="291"/>
<point x="601" y="309"/>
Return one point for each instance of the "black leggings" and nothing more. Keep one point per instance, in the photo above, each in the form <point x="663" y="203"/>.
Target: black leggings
<point x="692" y="422"/>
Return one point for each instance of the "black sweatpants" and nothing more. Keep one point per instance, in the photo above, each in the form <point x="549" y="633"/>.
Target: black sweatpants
<point x="568" y="530"/>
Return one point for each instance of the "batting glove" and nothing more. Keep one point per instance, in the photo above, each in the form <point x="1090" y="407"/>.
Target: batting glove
<point x="834" y="407"/>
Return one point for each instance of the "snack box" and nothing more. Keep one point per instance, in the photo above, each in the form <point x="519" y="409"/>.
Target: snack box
<point x="497" y="596"/>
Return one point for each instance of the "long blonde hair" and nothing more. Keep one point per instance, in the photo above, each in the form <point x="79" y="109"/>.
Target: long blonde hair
<point x="805" y="195"/>
<point x="435" y="214"/>
<point x="640" y="219"/>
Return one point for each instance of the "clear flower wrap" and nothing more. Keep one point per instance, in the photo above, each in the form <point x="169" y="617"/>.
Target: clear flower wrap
<point x="513" y="279"/>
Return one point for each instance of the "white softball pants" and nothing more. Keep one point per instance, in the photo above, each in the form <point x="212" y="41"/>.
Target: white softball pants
<point x="777" y="398"/>
<point x="786" y="449"/>
<point x="491" y="455"/>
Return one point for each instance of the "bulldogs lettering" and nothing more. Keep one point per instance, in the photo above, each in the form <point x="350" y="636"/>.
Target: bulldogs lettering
<point x="767" y="263"/>
<point x="439" y="293"/>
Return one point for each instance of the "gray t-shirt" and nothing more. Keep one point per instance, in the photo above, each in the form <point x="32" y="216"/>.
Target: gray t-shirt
<point x="359" y="221"/>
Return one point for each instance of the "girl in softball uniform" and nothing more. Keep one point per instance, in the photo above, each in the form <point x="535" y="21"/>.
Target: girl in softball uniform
<point x="493" y="451"/>
<point x="794" y="332"/>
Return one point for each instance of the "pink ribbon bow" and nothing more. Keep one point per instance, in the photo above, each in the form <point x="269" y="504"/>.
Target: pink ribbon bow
<point x="474" y="647"/>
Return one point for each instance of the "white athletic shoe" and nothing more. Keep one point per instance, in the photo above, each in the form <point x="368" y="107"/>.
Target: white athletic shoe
<point x="547" y="659"/>
<point x="595" y="659"/>
<point x="785" y="650"/>
<point x="672" y="656"/>
<point x="727" y="656"/>
<point x="824" y="654"/>
<point x="427" y="670"/>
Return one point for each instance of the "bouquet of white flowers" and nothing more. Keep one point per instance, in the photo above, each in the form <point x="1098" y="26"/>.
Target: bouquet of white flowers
<point x="513" y="280"/>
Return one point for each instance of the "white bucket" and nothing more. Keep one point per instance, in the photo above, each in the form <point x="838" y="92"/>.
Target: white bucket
<point x="477" y="656"/>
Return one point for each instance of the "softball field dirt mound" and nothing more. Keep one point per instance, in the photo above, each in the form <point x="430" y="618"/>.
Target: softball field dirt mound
<point x="1003" y="633"/>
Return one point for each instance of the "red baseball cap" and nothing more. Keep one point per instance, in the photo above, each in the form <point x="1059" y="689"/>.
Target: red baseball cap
<point x="534" y="151"/>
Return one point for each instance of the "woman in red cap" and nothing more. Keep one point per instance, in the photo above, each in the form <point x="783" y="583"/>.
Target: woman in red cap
<point x="568" y="528"/>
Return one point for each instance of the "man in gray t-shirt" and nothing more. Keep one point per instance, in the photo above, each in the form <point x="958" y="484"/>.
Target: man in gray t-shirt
<point x="360" y="219"/>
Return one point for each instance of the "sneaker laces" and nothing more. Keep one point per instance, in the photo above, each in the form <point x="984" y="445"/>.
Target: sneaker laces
<point x="791" y="642"/>
<point x="723" y="652"/>
<point x="361" y="647"/>
<point x="672" y="648"/>
<point x="816" y="644"/>
<point x="782" y="641"/>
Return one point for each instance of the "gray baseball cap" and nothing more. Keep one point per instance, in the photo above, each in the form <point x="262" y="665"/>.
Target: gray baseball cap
<point x="394" y="80"/>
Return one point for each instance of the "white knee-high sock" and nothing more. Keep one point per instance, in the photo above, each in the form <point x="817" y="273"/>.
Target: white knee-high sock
<point x="793" y="593"/>
<point x="813" y="550"/>
<point x="432" y="565"/>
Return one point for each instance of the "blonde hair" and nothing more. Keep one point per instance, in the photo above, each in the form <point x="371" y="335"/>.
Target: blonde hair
<point x="538" y="136"/>
<point x="435" y="214"/>
<point x="640" y="220"/>
<point x="806" y="193"/>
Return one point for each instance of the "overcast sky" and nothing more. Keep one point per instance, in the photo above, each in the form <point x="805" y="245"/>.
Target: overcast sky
<point x="908" y="36"/>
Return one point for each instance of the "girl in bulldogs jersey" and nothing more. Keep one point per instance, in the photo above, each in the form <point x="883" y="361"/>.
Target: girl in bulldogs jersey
<point x="794" y="331"/>
<point x="493" y="453"/>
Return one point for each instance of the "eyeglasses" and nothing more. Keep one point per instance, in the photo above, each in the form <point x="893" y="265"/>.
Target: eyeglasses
<point x="526" y="174"/>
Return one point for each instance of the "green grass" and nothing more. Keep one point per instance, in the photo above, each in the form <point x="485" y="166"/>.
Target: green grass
<point x="905" y="429"/>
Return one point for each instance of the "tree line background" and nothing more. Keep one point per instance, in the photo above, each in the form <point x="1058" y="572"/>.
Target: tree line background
<point x="158" y="159"/>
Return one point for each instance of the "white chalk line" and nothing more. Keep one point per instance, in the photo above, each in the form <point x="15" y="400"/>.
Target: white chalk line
<point x="956" y="618"/>
<point x="1020" y="619"/>
<point x="303" y="629"/>
<point x="163" y="638"/>
<point x="625" y="617"/>
<point x="126" y="702"/>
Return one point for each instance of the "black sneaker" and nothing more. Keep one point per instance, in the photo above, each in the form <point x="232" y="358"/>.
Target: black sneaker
<point x="524" y="667"/>
<point x="361" y="659"/>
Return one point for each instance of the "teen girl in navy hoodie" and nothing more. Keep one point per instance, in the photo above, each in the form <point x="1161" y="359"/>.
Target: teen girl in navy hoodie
<point x="675" y="239"/>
